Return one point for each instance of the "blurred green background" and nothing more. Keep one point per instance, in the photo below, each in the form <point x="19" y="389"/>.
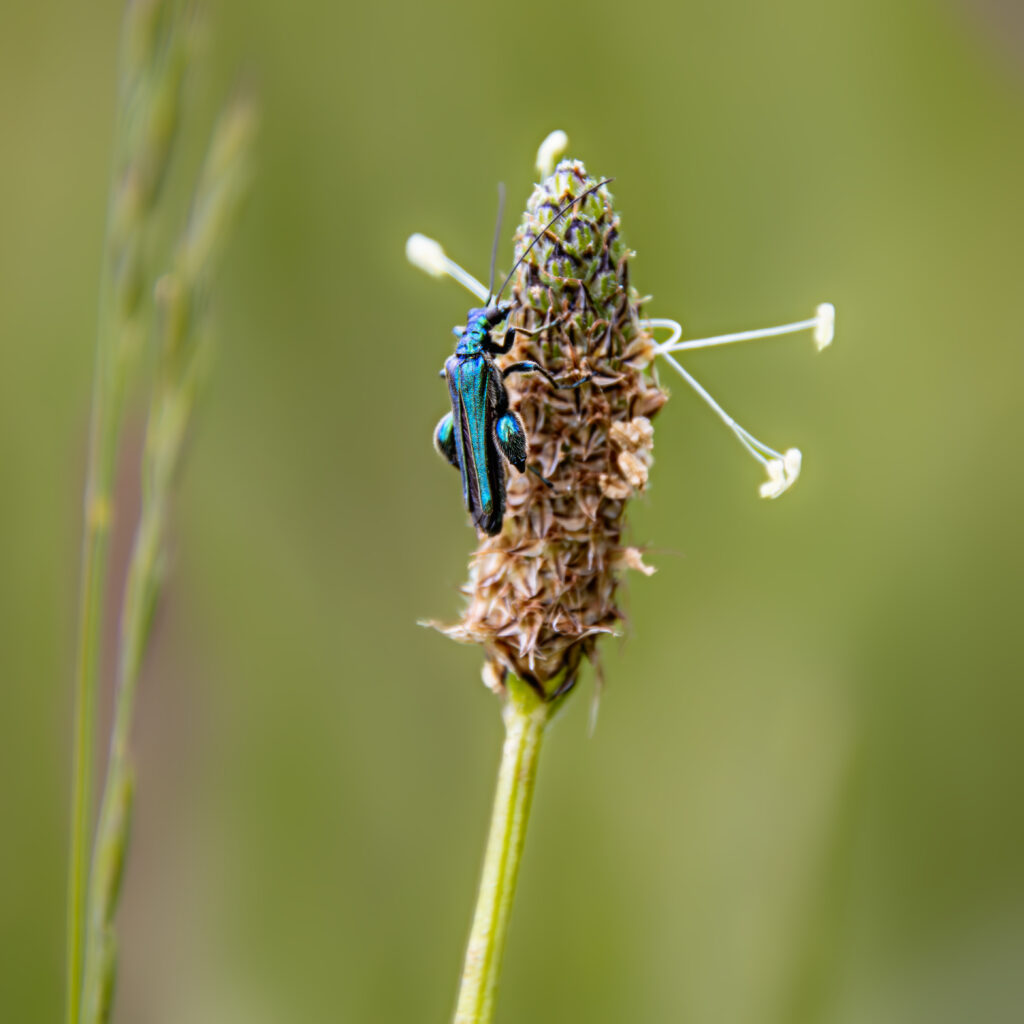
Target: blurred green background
<point x="803" y="799"/>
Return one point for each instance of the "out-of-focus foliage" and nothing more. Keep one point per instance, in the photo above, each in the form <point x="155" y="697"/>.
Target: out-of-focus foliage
<point x="802" y="801"/>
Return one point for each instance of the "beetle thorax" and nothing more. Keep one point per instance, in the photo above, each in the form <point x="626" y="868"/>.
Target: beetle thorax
<point x="479" y="324"/>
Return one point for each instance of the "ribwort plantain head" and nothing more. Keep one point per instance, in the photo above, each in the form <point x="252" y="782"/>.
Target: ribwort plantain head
<point x="542" y="591"/>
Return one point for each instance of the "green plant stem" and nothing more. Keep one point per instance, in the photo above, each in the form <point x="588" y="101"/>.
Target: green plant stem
<point x="92" y="596"/>
<point x="112" y="828"/>
<point x="526" y="717"/>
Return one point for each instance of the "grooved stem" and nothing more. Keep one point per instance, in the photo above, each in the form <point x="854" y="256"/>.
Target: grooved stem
<point x="526" y="716"/>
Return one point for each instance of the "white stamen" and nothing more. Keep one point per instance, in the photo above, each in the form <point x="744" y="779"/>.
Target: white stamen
<point x="550" y="150"/>
<point x="825" y="325"/>
<point x="430" y="257"/>
<point x="672" y="325"/>
<point x="782" y="469"/>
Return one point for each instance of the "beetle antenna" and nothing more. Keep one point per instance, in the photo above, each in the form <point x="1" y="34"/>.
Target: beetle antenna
<point x="543" y="230"/>
<point x="494" y="247"/>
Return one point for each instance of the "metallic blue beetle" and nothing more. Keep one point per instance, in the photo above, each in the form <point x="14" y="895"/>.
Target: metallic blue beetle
<point x="481" y="428"/>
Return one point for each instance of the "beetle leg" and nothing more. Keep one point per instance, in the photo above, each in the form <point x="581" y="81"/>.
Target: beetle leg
<point x="538" y="330"/>
<point x="531" y="367"/>
<point x="510" y="336"/>
<point x="506" y="345"/>
<point x="543" y="479"/>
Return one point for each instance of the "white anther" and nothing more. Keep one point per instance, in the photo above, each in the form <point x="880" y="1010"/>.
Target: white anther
<point x="776" y="482"/>
<point x="428" y="255"/>
<point x="550" y="151"/>
<point x="782" y="473"/>
<point x="825" y="325"/>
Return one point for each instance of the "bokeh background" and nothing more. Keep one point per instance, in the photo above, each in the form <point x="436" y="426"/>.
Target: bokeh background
<point x="803" y="799"/>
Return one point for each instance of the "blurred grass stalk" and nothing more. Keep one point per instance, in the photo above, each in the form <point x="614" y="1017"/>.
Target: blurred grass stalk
<point x="156" y="45"/>
<point x="151" y="66"/>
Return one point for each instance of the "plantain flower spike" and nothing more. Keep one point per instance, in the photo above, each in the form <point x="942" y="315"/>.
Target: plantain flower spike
<point x="542" y="591"/>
